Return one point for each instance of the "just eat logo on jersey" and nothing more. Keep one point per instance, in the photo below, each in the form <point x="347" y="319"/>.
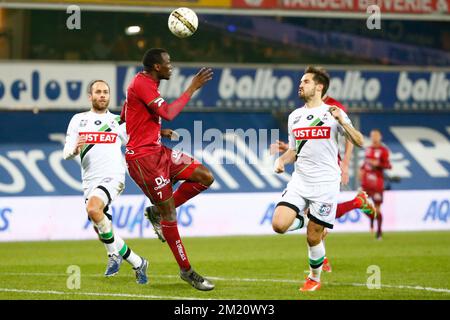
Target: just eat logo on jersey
<point x="312" y="133"/>
<point x="99" y="137"/>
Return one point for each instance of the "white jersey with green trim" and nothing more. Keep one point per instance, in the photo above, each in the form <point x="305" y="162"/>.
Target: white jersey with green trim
<point x="101" y="156"/>
<point x="313" y="134"/>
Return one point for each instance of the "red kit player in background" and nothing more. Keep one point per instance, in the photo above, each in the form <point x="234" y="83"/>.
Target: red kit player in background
<point x="154" y="167"/>
<point x="376" y="160"/>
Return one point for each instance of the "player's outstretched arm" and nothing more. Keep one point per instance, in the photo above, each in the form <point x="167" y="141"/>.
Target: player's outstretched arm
<point x="170" y="111"/>
<point x="202" y="77"/>
<point x="354" y="135"/>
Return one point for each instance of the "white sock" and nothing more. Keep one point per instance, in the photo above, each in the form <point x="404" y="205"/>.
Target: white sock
<point x="106" y="235"/>
<point x="128" y="254"/>
<point x="298" y="223"/>
<point x="316" y="255"/>
<point x="106" y="247"/>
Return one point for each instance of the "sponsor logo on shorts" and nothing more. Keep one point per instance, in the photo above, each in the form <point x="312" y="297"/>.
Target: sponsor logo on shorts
<point x="325" y="209"/>
<point x="99" y="137"/>
<point x="176" y="155"/>
<point x="312" y="133"/>
<point x="161" y="182"/>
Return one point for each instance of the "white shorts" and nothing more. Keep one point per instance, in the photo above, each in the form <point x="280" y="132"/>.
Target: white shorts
<point x="321" y="199"/>
<point x="106" y="189"/>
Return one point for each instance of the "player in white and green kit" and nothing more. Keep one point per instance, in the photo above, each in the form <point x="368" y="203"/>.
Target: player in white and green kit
<point x="96" y="136"/>
<point x="313" y="146"/>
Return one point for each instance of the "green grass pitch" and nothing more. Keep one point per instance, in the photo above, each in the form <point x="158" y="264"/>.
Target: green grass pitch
<point x="413" y="265"/>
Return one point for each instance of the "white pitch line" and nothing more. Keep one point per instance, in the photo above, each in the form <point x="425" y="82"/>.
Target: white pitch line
<point x="335" y="284"/>
<point x="99" y="294"/>
<point x="409" y="287"/>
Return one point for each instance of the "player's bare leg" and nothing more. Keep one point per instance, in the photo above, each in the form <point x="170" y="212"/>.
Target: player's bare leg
<point x="287" y="219"/>
<point x="94" y="208"/>
<point x="316" y="254"/>
<point x="326" y="267"/>
<point x="115" y="246"/>
<point x="169" y="229"/>
<point x="379" y="221"/>
<point x="283" y="218"/>
<point x="103" y="226"/>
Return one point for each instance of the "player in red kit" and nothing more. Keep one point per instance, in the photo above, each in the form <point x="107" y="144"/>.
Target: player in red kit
<point x="372" y="174"/>
<point x="154" y="167"/>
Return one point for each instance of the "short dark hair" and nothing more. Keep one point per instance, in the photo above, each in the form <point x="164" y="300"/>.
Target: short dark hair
<point x="321" y="76"/>
<point x="151" y="57"/>
<point x="91" y="84"/>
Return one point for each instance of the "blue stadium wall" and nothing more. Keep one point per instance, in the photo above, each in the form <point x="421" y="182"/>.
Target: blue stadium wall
<point x="419" y="143"/>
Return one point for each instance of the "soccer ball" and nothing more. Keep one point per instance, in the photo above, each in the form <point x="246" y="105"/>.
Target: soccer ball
<point x="183" y="22"/>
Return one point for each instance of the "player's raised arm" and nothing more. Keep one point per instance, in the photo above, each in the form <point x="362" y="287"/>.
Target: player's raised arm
<point x="170" y="111"/>
<point x="203" y="76"/>
<point x="350" y="132"/>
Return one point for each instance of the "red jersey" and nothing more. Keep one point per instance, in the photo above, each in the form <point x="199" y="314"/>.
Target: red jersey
<point x="142" y="122"/>
<point x="332" y="102"/>
<point x="143" y="111"/>
<point x="372" y="173"/>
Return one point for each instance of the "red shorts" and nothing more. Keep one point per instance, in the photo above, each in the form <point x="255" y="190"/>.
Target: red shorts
<point x="155" y="173"/>
<point x="376" y="195"/>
